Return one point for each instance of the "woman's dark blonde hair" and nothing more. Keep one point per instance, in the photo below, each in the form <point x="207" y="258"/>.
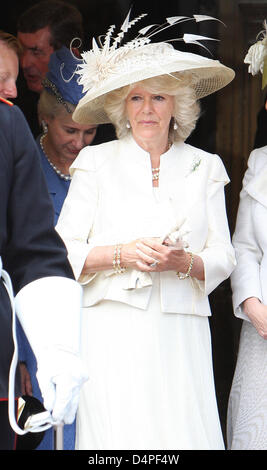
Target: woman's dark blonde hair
<point x="186" y="107"/>
<point x="49" y="106"/>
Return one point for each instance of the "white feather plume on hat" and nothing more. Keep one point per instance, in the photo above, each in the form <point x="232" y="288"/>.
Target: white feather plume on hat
<point x="112" y="65"/>
<point x="256" y="57"/>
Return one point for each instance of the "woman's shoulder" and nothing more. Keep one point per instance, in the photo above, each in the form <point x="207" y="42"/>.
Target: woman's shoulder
<point x="258" y="158"/>
<point x="254" y="181"/>
<point x="92" y="157"/>
<point x="211" y="161"/>
<point x="201" y="153"/>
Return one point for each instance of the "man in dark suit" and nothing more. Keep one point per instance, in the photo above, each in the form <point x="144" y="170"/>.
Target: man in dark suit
<point x="45" y="295"/>
<point x="42" y="29"/>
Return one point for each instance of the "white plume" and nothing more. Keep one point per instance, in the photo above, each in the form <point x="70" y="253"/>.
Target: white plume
<point x="106" y="56"/>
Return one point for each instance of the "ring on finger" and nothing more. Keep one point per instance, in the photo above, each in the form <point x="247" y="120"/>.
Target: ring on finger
<point x="152" y="265"/>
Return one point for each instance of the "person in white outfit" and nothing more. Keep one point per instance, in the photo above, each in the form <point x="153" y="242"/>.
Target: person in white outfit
<point x="247" y="408"/>
<point x="147" y="235"/>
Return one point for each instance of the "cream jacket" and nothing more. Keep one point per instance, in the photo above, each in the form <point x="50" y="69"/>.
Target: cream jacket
<point x="111" y="200"/>
<point x="249" y="278"/>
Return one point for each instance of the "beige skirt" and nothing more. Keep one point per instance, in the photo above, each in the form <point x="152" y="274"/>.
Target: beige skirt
<point x="150" y="380"/>
<point x="247" y="409"/>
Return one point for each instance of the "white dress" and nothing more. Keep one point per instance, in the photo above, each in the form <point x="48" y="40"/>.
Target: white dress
<point x="151" y="379"/>
<point x="146" y="339"/>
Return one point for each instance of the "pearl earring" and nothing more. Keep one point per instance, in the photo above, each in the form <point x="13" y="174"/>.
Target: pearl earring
<point x="44" y="127"/>
<point x="175" y="125"/>
<point x="128" y="125"/>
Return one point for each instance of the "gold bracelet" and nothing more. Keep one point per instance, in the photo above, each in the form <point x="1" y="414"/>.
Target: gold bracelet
<point x="117" y="260"/>
<point x="187" y="274"/>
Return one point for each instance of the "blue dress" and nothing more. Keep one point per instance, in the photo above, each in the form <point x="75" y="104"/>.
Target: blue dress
<point x="58" y="189"/>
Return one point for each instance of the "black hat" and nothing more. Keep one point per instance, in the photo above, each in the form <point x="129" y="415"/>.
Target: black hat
<point x="29" y="406"/>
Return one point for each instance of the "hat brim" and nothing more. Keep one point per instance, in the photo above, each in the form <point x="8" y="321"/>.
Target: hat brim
<point x="30" y="440"/>
<point x="208" y="76"/>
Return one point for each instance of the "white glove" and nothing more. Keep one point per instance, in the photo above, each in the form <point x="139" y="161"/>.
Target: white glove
<point x="49" y="311"/>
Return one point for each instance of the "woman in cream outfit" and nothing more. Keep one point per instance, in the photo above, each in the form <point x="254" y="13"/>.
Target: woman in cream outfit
<point x="147" y="235"/>
<point x="247" y="410"/>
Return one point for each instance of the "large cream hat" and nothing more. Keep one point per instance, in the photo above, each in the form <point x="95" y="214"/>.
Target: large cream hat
<point x="110" y="67"/>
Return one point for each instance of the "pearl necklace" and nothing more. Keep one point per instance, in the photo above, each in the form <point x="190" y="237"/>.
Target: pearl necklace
<point x="155" y="174"/>
<point x="59" y="173"/>
<point x="156" y="171"/>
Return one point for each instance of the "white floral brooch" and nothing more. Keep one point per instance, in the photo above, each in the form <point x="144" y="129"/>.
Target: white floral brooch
<point x="195" y="165"/>
<point x="256" y="56"/>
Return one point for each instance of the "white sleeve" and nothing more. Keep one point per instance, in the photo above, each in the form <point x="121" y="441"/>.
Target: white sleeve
<point x="245" y="280"/>
<point x="218" y="255"/>
<point x="78" y="211"/>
